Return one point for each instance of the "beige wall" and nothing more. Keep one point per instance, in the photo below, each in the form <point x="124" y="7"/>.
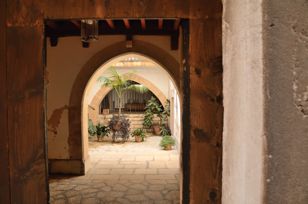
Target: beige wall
<point x="63" y="64"/>
<point x="243" y="134"/>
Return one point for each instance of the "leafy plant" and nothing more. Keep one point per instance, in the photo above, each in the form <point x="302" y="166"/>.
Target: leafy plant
<point x="139" y="132"/>
<point x="166" y="141"/>
<point x="148" y="119"/>
<point x="152" y="107"/>
<point x="165" y="130"/>
<point x="91" y="128"/>
<point x="102" y="131"/>
<point x="120" y="127"/>
<point x="120" y="84"/>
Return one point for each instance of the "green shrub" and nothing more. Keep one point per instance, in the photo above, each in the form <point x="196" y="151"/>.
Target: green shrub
<point x="139" y="132"/>
<point x="91" y="128"/>
<point x="102" y="130"/>
<point x="167" y="140"/>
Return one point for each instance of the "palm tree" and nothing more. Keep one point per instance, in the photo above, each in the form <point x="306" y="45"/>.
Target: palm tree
<point x="120" y="84"/>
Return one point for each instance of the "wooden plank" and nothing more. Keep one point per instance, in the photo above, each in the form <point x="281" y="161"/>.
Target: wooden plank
<point x="76" y="23"/>
<point x="206" y="111"/>
<point x="185" y="114"/>
<point x="26" y="111"/>
<point x="26" y="103"/>
<point x="4" y="139"/>
<point x="59" y="9"/>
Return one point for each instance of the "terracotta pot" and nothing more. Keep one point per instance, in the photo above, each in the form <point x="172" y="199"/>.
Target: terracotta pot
<point x="168" y="147"/>
<point x="138" y="138"/>
<point x="156" y="129"/>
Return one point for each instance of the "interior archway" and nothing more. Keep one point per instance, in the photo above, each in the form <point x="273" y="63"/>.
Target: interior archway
<point x="77" y="146"/>
<point x="94" y="93"/>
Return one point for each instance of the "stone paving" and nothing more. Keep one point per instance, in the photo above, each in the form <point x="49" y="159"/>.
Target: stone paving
<point x="122" y="173"/>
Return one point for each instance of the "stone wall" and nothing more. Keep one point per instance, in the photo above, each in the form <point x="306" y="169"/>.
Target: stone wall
<point x="286" y="91"/>
<point x="243" y="135"/>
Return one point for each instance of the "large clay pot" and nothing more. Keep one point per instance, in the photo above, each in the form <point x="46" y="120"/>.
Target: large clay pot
<point x="156" y="129"/>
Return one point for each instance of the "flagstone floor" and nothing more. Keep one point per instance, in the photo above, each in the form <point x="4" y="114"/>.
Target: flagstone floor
<point x="122" y="173"/>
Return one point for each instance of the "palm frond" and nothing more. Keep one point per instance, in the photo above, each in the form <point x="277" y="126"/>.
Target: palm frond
<point x="138" y="88"/>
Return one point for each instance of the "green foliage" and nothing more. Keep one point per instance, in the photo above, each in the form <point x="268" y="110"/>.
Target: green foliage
<point x="91" y="128"/>
<point x="138" y="88"/>
<point x="139" y="132"/>
<point x="167" y="140"/>
<point x="102" y="130"/>
<point x="120" y="84"/>
<point x="152" y="107"/>
<point x="148" y="119"/>
<point x="165" y="130"/>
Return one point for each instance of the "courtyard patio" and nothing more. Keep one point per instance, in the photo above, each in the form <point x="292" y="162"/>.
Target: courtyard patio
<point x="122" y="173"/>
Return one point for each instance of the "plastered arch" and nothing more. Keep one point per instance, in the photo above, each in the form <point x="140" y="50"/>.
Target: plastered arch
<point x="169" y="63"/>
<point x="100" y="95"/>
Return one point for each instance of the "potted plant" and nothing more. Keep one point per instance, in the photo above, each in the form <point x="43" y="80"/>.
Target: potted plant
<point x="164" y="118"/>
<point x="139" y="135"/>
<point x="101" y="131"/>
<point x="167" y="142"/>
<point x="91" y="128"/>
<point x="152" y="108"/>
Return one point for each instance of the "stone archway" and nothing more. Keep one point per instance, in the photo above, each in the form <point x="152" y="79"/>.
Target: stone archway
<point x="100" y="95"/>
<point x="77" y="149"/>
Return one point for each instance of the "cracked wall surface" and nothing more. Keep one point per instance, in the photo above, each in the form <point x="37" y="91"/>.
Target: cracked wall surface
<point x="286" y="64"/>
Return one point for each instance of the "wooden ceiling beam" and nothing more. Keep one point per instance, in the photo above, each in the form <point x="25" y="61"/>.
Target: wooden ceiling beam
<point x="126" y="23"/>
<point x="110" y="23"/>
<point x="52" y="24"/>
<point x="76" y="23"/>
<point x="143" y="24"/>
<point x="176" y="24"/>
<point x="160" y="23"/>
<point x="53" y="41"/>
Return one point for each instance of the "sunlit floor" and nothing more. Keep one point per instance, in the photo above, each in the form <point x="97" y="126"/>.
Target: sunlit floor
<point x="122" y="173"/>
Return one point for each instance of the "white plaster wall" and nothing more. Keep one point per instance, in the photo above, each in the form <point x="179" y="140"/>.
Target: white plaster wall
<point x="243" y="134"/>
<point x="175" y="115"/>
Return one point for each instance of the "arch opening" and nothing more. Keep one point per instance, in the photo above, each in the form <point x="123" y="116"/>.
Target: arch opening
<point x="135" y="67"/>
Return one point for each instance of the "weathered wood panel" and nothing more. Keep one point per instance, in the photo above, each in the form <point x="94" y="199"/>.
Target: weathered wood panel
<point x="206" y="109"/>
<point x="4" y="153"/>
<point x="59" y="9"/>
<point x="26" y="115"/>
<point x="25" y="77"/>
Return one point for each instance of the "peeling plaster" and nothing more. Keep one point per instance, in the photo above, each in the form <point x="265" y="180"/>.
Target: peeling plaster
<point x="55" y="118"/>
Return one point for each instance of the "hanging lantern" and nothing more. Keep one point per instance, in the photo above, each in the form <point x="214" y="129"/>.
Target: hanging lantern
<point x="89" y="30"/>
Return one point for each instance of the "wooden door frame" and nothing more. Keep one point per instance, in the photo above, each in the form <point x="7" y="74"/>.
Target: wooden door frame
<point x="23" y="115"/>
